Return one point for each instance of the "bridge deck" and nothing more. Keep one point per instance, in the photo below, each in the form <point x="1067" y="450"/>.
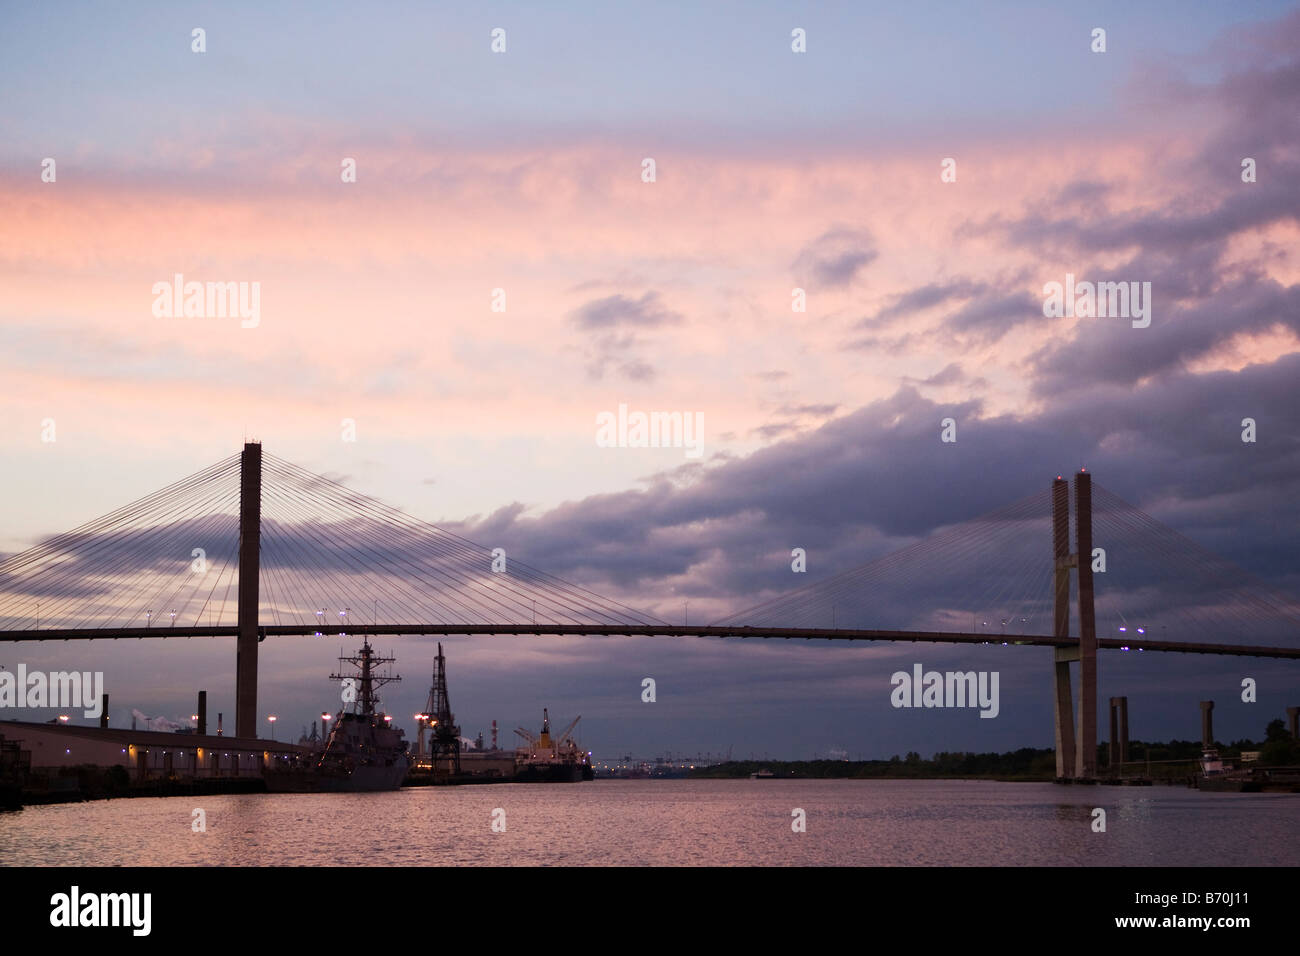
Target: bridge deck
<point x="622" y="630"/>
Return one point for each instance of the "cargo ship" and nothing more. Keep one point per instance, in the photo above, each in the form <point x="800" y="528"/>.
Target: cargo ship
<point x="363" y="751"/>
<point x="548" y="759"/>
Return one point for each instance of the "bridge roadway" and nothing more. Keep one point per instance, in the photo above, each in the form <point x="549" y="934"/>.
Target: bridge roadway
<point x="623" y="630"/>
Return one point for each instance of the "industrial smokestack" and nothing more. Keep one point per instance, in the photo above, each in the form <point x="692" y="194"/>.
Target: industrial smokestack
<point x="203" y="712"/>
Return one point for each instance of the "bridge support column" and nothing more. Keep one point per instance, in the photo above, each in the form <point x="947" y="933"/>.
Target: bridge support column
<point x="1123" y="730"/>
<point x="1064" y="710"/>
<point x="1118" y="732"/>
<point x="1085" y="754"/>
<point x="250" y="526"/>
<point x="1062" y="699"/>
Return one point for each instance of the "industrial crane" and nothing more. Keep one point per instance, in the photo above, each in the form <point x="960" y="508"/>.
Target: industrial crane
<point x="544" y="740"/>
<point x="568" y="730"/>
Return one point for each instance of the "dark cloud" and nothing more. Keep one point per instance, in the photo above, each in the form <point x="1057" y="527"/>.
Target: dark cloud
<point x="990" y="316"/>
<point x="950" y="374"/>
<point x="817" y="411"/>
<point x="923" y="297"/>
<point x="614" y="322"/>
<point x="620" y="311"/>
<point x="1204" y="294"/>
<point x="775" y="430"/>
<point x="835" y="258"/>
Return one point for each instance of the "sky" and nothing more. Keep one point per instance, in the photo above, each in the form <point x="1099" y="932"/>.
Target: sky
<point x="377" y="358"/>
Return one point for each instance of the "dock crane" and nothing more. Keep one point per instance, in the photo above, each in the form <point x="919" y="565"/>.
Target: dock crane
<point x="567" y="731"/>
<point x="543" y="741"/>
<point x="445" y="745"/>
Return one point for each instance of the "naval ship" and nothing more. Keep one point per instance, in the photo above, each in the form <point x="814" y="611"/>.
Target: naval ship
<point x="363" y="750"/>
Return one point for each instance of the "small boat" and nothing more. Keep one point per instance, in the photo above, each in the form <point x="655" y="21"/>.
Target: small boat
<point x="762" y="775"/>
<point x="1218" y="777"/>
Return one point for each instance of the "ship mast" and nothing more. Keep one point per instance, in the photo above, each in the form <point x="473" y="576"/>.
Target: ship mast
<point x="369" y="682"/>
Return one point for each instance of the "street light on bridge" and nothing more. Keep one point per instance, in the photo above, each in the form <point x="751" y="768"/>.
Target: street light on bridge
<point x="272" y="719"/>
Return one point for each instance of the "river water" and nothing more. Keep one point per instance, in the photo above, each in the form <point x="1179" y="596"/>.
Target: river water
<point x="672" y="822"/>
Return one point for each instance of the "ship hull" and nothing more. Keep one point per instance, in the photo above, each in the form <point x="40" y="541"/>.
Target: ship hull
<point x="551" y="773"/>
<point x="360" y="780"/>
<point x="1211" y="785"/>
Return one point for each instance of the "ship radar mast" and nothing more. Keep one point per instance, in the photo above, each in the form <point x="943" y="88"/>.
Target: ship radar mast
<point x="368" y="682"/>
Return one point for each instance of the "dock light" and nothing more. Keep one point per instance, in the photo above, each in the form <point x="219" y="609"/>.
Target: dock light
<point x="1123" y="630"/>
<point x="388" y="718"/>
<point x="1142" y="630"/>
<point x="1124" y="648"/>
<point x="63" y="717"/>
<point x="194" y="716"/>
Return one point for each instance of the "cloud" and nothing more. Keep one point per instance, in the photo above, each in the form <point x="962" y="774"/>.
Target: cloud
<point x="835" y="258"/>
<point x="618" y="311"/>
<point x="921" y="298"/>
<point x="814" y="410"/>
<point x="614" y="321"/>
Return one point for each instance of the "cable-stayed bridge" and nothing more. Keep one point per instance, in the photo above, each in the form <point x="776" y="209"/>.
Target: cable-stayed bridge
<point x="255" y="547"/>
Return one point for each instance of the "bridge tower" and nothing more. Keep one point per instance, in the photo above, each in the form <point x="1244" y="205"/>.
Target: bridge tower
<point x="250" y="530"/>
<point x="1076" y="754"/>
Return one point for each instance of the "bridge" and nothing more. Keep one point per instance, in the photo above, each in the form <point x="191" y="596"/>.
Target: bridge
<point x="301" y="552"/>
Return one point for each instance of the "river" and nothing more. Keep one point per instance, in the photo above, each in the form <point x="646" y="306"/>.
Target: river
<point x="672" y="822"/>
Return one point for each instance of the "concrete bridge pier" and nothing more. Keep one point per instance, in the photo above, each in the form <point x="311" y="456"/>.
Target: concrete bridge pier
<point x="250" y="527"/>
<point x="1076" y="751"/>
<point x="1118" y="732"/>
<point x="1085" y="753"/>
<point x="1062" y="697"/>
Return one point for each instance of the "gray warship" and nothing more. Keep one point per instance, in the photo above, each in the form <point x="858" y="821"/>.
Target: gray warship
<point x="362" y="752"/>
